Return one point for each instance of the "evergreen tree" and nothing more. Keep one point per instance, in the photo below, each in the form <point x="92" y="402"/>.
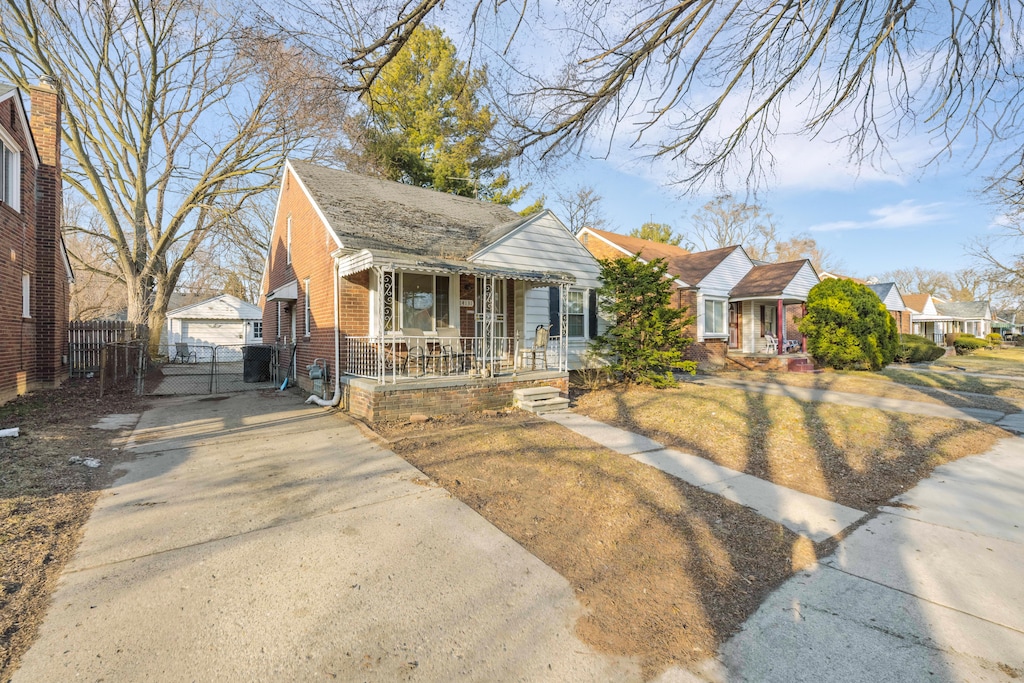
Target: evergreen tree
<point x="645" y="342"/>
<point x="847" y="326"/>
<point x="656" y="232"/>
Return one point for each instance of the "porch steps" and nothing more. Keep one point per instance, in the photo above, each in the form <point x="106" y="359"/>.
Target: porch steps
<point x="801" y="365"/>
<point x="539" y="400"/>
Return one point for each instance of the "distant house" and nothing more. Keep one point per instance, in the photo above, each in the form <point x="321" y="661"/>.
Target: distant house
<point x="223" y="320"/>
<point x="420" y="301"/>
<point x="935" y="318"/>
<point x="740" y="307"/>
<point x="36" y="275"/>
<point x="890" y="295"/>
<point x="975" y="317"/>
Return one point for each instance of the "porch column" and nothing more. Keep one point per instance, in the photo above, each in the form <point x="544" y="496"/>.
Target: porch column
<point x="780" y="317"/>
<point x="803" y="339"/>
<point x="563" y="328"/>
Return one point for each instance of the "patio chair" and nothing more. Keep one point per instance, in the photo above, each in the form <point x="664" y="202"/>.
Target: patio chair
<point x="417" y="354"/>
<point x="453" y="356"/>
<point x="771" y="343"/>
<point x="182" y="354"/>
<point x="790" y="346"/>
<point x="540" y="346"/>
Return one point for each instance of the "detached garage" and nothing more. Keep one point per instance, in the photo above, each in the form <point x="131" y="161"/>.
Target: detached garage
<point x="221" y="321"/>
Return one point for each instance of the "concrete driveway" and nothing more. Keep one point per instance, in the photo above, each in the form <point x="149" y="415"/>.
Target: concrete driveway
<point x="257" y="539"/>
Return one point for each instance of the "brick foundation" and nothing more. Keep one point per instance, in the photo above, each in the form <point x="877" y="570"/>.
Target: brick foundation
<point x="374" y="402"/>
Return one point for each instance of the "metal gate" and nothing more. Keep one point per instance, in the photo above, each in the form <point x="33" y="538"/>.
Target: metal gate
<point x="188" y="369"/>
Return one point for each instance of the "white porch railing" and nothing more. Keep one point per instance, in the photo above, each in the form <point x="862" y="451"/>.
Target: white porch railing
<point x="397" y="358"/>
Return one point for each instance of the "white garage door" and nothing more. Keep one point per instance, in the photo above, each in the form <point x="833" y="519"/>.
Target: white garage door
<point x="212" y="333"/>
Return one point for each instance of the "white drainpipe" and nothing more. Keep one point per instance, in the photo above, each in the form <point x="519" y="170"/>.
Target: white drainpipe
<point x="336" y="399"/>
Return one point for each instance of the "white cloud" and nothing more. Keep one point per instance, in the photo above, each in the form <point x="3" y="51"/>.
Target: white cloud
<point x="906" y="214"/>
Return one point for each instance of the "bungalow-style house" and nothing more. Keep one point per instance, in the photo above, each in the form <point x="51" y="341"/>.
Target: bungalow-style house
<point x="740" y="307"/>
<point x="224" y="321"/>
<point x="890" y="295"/>
<point x="935" y="318"/>
<point x="416" y="301"/>
<point x="35" y="274"/>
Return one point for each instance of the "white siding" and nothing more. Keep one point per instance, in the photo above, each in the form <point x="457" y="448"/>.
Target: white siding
<point x="749" y="344"/>
<point x="725" y="276"/>
<point x="801" y="283"/>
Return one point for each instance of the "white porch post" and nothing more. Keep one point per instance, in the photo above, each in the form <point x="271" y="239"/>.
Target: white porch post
<point x="780" y="317"/>
<point x="563" y="328"/>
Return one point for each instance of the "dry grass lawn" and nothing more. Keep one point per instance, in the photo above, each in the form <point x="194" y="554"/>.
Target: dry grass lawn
<point x="1001" y="361"/>
<point x="855" y="456"/>
<point x="907" y="385"/>
<point x="665" y="571"/>
<point x="45" y="501"/>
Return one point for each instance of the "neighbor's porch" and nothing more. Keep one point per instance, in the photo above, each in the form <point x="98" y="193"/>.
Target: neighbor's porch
<point x="765" y="327"/>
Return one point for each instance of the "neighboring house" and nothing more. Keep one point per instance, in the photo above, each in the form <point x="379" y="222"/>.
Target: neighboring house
<point x="425" y="301"/>
<point x="975" y="317"/>
<point x="1005" y="323"/>
<point x="890" y="295"/>
<point x="35" y="274"/>
<point x="934" y="318"/>
<point x="224" y="321"/>
<point x="739" y="306"/>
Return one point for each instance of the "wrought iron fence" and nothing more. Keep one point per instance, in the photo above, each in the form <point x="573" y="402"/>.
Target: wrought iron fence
<point x="397" y="358"/>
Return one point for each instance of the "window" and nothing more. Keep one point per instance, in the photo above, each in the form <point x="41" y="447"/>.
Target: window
<point x="423" y="301"/>
<point x="257" y="329"/>
<point x="288" y="238"/>
<point x="714" y="317"/>
<point x="10" y="175"/>
<point x="575" y="312"/>
<point x="308" y="316"/>
<point x="278" y="319"/>
<point x="26" y="295"/>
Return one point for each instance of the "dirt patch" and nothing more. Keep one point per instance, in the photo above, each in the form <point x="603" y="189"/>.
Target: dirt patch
<point x="855" y="456"/>
<point x="665" y="571"/>
<point x="45" y="500"/>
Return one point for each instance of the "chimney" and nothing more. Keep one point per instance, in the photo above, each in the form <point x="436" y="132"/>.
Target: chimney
<point x="51" y="286"/>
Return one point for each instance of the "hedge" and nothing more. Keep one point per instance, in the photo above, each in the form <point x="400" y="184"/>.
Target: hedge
<point x="966" y="345"/>
<point x="917" y="349"/>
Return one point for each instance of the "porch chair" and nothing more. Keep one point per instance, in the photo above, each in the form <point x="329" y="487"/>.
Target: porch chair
<point x="540" y="346"/>
<point x="771" y="343"/>
<point x="182" y="354"/>
<point x="453" y="356"/>
<point x="417" y="352"/>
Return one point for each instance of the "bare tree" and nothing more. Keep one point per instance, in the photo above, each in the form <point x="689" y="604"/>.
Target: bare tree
<point x="703" y="81"/>
<point x="175" y="115"/>
<point x="725" y="221"/>
<point x="1000" y="258"/>
<point x="920" y="281"/>
<point x="581" y="208"/>
<point x="803" y="246"/>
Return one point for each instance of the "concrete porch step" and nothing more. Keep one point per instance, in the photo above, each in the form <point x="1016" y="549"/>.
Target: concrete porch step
<point x="543" y="405"/>
<point x="535" y="392"/>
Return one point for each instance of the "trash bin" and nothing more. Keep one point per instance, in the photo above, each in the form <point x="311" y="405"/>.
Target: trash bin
<point x="256" y="361"/>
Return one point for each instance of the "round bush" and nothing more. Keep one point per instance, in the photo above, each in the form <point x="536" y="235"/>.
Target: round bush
<point x="917" y="349"/>
<point x="966" y="345"/>
<point x="847" y="326"/>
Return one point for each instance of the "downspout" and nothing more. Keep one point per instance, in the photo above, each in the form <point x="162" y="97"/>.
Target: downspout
<point x="336" y="399"/>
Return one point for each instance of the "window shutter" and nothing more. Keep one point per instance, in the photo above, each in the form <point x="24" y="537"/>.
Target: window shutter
<point x="592" y="313"/>
<point x="553" y="310"/>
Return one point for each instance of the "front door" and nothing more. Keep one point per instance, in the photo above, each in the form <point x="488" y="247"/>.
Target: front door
<point x="735" y="324"/>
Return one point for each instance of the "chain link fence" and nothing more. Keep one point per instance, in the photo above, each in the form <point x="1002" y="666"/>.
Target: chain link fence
<point x="187" y="369"/>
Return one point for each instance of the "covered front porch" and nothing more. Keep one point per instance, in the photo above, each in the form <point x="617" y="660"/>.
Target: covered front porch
<point x="765" y="327"/>
<point x="438" y="321"/>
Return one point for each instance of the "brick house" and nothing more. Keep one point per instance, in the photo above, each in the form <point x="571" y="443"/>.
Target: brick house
<point x="418" y="301"/>
<point x="741" y="307"/>
<point x="35" y="274"/>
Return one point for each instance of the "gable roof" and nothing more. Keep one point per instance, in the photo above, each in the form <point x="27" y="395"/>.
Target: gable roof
<point x="223" y="307"/>
<point x="374" y="214"/>
<point x="916" y="302"/>
<point x="692" y="268"/>
<point x="768" y="280"/>
<point x="648" y="249"/>
<point x="969" y="310"/>
<point x="885" y="289"/>
<point x="8" y="91"/>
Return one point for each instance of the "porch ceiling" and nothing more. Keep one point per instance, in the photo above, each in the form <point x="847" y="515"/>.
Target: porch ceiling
<point x="786" y="301"/>
<point x="365" y="259"/>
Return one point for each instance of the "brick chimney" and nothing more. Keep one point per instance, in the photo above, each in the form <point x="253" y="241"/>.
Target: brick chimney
<point x="51" y="286"/>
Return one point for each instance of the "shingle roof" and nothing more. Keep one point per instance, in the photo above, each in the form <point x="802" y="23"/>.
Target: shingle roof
<point x="769" y="280"/>
<point x="978" y="310"/>
<point x="6" y="88"/>
<point x="648" y="249"/>
<point x="370" y="213"/>
<point x="915" y="302"/>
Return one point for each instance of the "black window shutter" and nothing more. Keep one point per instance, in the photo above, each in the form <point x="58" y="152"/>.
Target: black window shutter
<point x="553" y="310"/>
<point x="592" y="313"/>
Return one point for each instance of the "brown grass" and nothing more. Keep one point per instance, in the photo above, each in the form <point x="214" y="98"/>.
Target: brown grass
<point x="45" y="501"/>
<point x="665" y="571"/>
<point x="999" y="361"/>
<point x="855" y="456"/>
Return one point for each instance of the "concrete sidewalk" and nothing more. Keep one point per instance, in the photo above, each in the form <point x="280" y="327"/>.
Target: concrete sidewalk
<point x="947" y="370"/>
<point x="927" y="591"/>
<point x="257" y="539"/>
<point x="816" y="518"/>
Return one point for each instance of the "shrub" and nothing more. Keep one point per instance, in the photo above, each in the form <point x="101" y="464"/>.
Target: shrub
<point x="966" y="344"/>
<point x="847" y="326"/>
<point x="645" y="342"/>
<point x="994" y="338"/>
<point x="916" y="349"/>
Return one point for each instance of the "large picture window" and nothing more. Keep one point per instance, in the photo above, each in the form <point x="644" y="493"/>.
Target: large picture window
<point x="424" y="302"/>
<point x="714" y="318"/>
